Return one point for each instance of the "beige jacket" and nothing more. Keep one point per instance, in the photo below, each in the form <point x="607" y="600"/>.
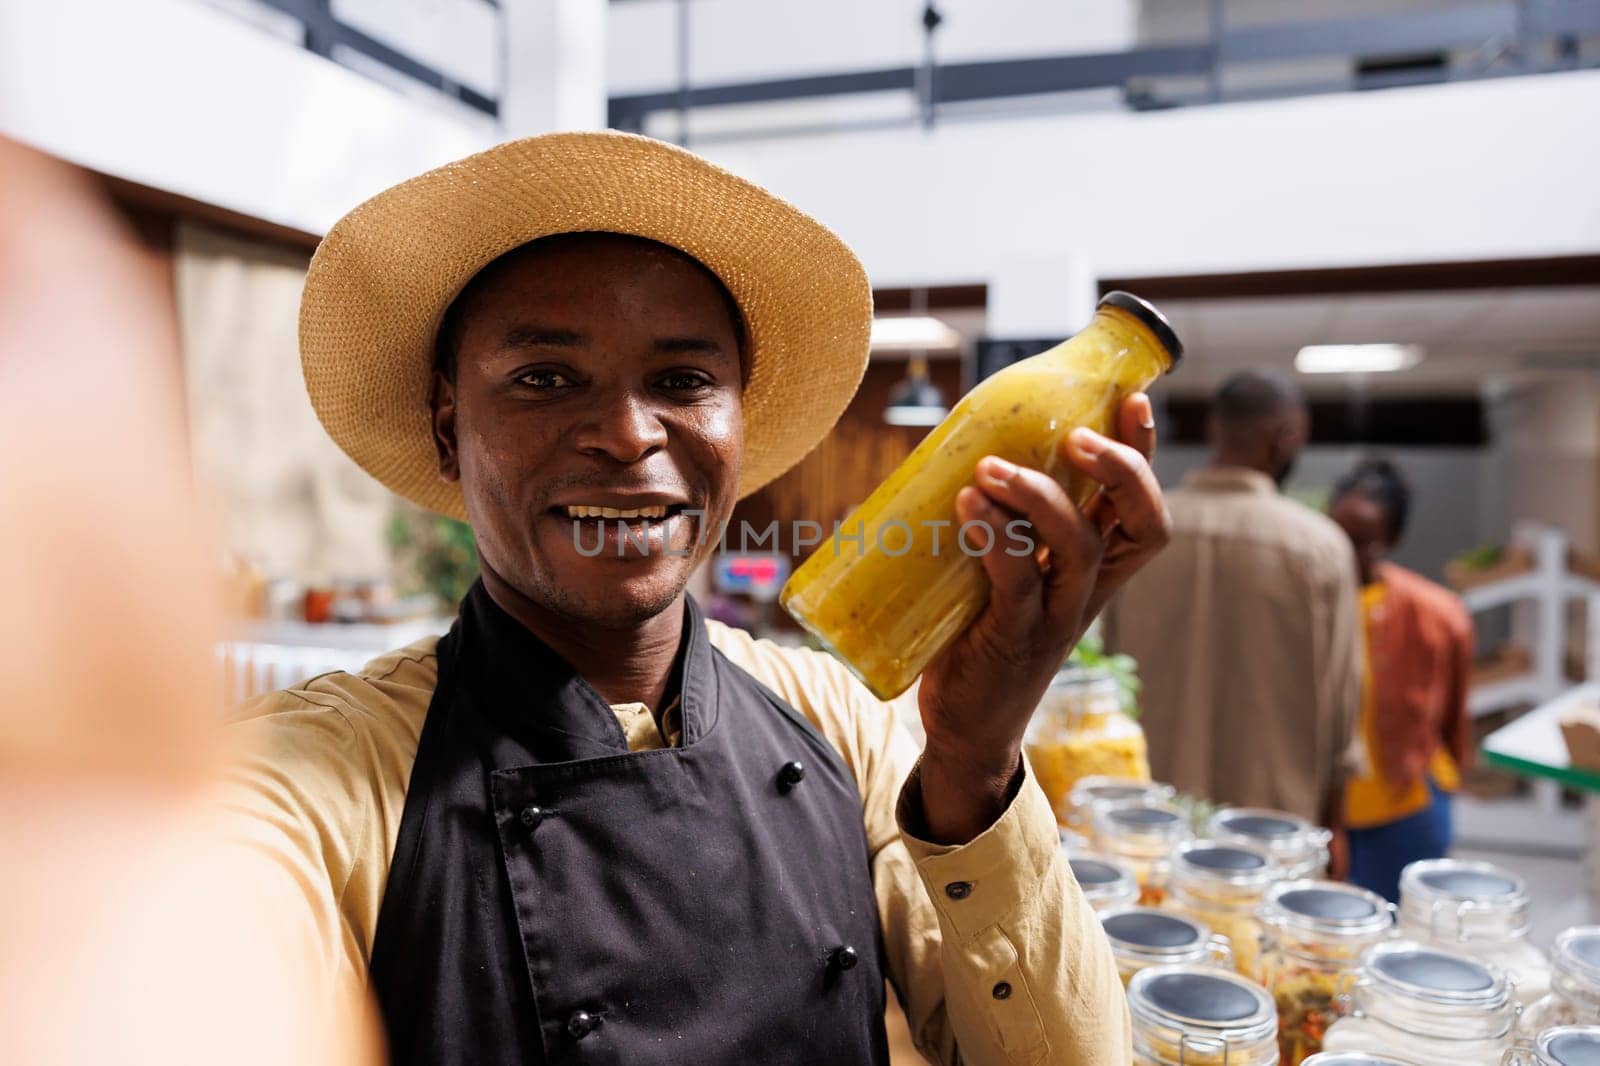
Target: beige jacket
<point x="1247" y="632"/>
<point x="319" y="794"/>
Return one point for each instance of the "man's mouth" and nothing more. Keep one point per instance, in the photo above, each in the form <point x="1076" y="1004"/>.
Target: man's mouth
<point x="628" y="514"/>
<point x="643" y="529"/>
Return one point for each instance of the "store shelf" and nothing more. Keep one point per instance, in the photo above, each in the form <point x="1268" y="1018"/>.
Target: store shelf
<point x="1533" y="745"/>
<point x="1511" y="692"/>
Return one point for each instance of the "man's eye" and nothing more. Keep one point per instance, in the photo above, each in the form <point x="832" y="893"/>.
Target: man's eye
<point x="544" y="379"/>
<point x="684" y="381"/>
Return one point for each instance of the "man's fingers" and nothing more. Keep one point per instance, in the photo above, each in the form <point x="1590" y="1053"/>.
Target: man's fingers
<point x="1006" y="558"/>
<point x="1136" y="425"/>
<point x="1127" y="482"/>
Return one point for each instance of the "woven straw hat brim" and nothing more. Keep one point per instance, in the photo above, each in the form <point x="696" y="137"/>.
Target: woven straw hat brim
<point x="384" y="275"/>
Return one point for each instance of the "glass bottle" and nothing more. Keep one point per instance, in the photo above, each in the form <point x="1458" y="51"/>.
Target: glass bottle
<point x="1315" y="933"/>
<point x="1297" y="846"/>
<point x="901" y="578"/>
<point x="1200" y="1016"/>
<point x="1222" y="885"/>
<point x="1142" y="937"/>
<point x="1421" y="1004"/>
<point x="1092" y="793"/>
<point x="1564" y="1045"/>
<point x="1105" y="882"/>
<point x="1080" y="731"/>
<point x="1574" y="996"/>
<point x="1478" y="909"/>
<point x="1141" y="835"/>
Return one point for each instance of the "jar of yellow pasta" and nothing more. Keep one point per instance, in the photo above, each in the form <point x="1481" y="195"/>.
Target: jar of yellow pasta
<point x="1222" y="885"/>
<point x="1142" y="937"/>
<point x="1081" y="731"/>
<point x="1315" y="935"/>
<point x="1200" y="1016"/>
<point x="1141" y="836"/>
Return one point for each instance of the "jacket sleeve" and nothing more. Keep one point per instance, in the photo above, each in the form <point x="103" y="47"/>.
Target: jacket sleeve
<point x="1457" y="725"/>
<point x="1337" y="654"/>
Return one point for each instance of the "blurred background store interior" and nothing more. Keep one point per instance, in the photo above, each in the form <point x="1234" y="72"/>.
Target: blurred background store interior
<point x="1414" y="173"/>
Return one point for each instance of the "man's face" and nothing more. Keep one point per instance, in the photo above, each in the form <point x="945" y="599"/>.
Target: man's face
<point x="1365" y="523"/>
<point x="1288" y="440"/>
<point x="594" y="372"/>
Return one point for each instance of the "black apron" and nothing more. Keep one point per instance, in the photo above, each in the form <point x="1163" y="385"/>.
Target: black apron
<point x="556" y="898"/>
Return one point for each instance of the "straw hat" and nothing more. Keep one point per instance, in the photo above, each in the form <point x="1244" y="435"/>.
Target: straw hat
<point x="385" y="273"/>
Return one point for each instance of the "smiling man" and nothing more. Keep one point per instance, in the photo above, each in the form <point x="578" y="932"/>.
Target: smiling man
<point x="587" y="824"/>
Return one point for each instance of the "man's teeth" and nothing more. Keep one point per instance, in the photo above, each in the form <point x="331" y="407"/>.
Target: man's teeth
<point x="616" y="512"/>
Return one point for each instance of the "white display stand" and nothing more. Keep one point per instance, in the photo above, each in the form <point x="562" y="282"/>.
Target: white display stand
<point x="1545" y="591"/>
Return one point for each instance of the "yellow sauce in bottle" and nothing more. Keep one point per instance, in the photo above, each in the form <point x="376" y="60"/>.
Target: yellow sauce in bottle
<point x="900" y="578"/>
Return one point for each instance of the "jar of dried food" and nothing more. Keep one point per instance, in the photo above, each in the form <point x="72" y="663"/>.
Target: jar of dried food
<point x="1565" y="1045"/>
<point x="1352" y="1058"/>
<point x="1105" y="882"/>
<point x="1478" y="909"/>
<point x="1092" y="793"/>
<point x="1421" y="1004"/>
<point x="1200" y="1016"/>
<point x="1142" y="937"/>
<point x="1081" y="731"/>
<point x="1574" y="996"/>
<point x="1295" y="845"/>
<point x="1315" y="934"/>
<point x="1141" y="835"/>
<point x="1222" y="885"/>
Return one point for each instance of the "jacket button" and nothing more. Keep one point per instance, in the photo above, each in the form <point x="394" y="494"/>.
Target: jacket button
<point x="1002" y="990"/>
<point x="532" y="816"/>
<point x="581" y="1023"/>
<point x="790" y="775"/>
<point x="958" y="889"/>
<point x="844" y="957"/>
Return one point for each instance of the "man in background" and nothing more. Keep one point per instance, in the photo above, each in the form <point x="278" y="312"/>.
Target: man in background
<point x="1246" y="627"/>
<point x="1413" y="731"/>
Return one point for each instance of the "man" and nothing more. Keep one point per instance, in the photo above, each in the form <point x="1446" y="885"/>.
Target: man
<point x="1245" y="627"/>
<point x="586" y="823"/>
<point x="1413" y="730"/>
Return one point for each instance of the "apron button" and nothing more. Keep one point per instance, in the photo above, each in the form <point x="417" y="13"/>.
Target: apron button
<point x="790" y="775"/>
<point x="582" y="1023"/>
<point x="531" y="817"/>
<point x="844" y="958"/>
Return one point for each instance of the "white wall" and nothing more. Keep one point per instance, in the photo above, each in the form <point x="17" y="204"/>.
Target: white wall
<point x="183" y="97"/>
<point x="1480" y="170"/>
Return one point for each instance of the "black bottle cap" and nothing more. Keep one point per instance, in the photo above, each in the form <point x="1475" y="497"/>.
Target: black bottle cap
<point x="1146" y="312"/>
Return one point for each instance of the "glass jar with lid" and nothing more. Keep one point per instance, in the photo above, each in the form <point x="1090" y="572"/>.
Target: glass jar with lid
<point x="1315" y="935"/>
<point x="1200" y="1016"/>
<point x="1478" y="909"/>
<point x="1299" y="848"/>
<point x="1223" y="885"/>
<point x="1352" y="1058"/>
<point x="1141" y="835"/>
<point x="1574" y="996"/>
<point x="1565" y="1045"/>
<point x="1092" y="793"/>
<point x="1105" y="882"/>
<point x="1080" y="730"/>
<point x="1422" y="1004"/>
<point x="1142" y="937"/>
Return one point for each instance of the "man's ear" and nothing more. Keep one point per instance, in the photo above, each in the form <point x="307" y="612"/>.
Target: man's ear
<point x="442" y="407"/>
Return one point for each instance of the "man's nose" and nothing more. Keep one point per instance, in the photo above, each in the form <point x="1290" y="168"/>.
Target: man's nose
<point x="626" y="427"/>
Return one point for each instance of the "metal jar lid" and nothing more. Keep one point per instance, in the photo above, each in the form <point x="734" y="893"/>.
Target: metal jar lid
<point x="1098" y="790"/>
<point x="1154" y="320"/>
<point x="1569" y="1045"/>
<point x="1327" y="909"/>
<point x="1142" y="821"/>
<point x="1451" y="899"/>
<point x="1427" y="975"/>
<point x="1213" y="862"/>
<point x="1104" y="881"/>
<point x="1577" y="955"/>
<point x="1154" y="937"/>
<point x="1289" y="839"/>
<point x="1172" y="1003"/>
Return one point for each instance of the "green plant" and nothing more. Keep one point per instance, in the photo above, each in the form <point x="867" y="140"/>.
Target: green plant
<point x="1482" y="557"/>
<point x="1091" y="654"/>
<point x="432" y="554"/>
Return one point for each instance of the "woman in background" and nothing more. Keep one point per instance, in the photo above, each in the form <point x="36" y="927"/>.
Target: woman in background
<point x="1411" y="741"/>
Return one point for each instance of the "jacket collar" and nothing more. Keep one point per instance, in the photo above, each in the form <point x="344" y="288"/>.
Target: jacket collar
<point x="1230" y="479"/>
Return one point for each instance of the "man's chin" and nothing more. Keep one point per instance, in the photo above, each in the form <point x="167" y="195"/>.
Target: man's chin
<point x="619" y="600"/>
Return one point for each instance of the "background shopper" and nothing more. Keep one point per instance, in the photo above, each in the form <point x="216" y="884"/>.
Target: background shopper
<point x="1412" y="737"/>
